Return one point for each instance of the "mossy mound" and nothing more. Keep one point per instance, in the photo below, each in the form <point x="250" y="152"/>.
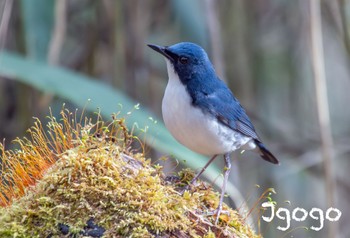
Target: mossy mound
<point x="99" y="188"/>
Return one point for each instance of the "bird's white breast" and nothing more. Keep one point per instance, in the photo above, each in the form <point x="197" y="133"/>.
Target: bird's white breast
<point x="194" y="129"/>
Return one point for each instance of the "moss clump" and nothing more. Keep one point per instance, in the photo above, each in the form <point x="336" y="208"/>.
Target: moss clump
<point x="98" y="184"/>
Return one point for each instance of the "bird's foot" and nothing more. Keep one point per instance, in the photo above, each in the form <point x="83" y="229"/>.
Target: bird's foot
<point x="217" y="212"/>
<point x="186" y="188"/>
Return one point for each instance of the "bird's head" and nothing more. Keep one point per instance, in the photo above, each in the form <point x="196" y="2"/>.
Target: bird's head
<point x="188" y="60"/>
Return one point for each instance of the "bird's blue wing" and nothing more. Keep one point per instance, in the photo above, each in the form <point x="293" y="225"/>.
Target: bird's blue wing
<point x="220" y="102"/>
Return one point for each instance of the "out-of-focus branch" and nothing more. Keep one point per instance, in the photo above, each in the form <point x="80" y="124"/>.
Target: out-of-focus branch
<point x="334" y="10"/>
<point x="344" y="24"/>
<point x="59" y="32"/>
<point x="215" y="37"/>
<point x="136" y="25"/>
<point x="338" y="14"/>
<point x="5" y="19"/>
<point x="318" y="66"/>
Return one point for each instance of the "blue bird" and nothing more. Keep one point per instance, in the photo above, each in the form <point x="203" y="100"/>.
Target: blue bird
<point x="202" y="113"/>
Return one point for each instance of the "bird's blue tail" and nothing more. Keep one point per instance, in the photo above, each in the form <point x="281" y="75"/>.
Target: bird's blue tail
<point x="265" y="153"/>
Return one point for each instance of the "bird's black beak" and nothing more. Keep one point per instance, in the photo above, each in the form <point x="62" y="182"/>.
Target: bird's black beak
<point x="162" y="50"/>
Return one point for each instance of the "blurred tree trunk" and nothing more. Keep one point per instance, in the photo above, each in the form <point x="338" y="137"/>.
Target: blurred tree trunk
<point x="136" y="20"/>
<point x="319" y="72"/>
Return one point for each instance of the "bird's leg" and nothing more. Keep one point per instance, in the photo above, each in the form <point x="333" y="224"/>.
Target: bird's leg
<point x="227" y="170"/>
<point x="198" y="174"/>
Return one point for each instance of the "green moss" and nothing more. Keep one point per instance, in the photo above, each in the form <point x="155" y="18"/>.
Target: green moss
<point x="100" y="178"/>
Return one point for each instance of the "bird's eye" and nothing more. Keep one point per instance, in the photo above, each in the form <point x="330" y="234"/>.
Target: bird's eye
<point x="183" y="60"/>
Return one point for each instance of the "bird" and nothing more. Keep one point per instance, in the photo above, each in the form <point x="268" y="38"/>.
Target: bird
<point x="202" y="113"/>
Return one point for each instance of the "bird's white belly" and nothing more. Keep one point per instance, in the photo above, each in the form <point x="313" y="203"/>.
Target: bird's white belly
<point x="199" y="132"/>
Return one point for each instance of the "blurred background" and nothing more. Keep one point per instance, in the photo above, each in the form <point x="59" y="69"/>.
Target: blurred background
<point x="55" y="52"/>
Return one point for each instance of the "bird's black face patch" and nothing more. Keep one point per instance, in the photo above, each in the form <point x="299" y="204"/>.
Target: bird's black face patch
<point x="187" y="68"/>
<point x="189" y="61"/>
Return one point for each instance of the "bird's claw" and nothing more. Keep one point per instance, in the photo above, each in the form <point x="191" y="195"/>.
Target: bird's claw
<point x="217" y="212"/>
<point x="186" y="188"/>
